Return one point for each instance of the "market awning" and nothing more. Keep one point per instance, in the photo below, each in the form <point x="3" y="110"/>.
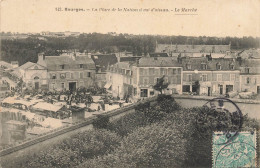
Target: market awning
<point x="47" y="106"/>
<point x="108" y="85"/>
<point x="9" y="100"/>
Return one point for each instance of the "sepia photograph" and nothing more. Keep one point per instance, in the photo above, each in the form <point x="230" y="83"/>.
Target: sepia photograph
<point x="129" y="83"/>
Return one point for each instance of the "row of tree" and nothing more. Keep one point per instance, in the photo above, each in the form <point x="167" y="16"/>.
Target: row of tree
<point x="25" y="50"/>
<point x="160" y="134"/>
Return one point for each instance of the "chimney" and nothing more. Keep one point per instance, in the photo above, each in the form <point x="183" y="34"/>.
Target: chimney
<point x="239" y="59"/>
<point x="137" y="60"/>
<point x="179" y="58"/>
<point x="209" y="58"/>
<point x="41" y="57"/>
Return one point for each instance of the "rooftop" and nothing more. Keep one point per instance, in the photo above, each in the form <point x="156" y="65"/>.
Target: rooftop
<point x="158" y="62"/>
<point x="104" y="60"/>
<point x="192" y="48"/>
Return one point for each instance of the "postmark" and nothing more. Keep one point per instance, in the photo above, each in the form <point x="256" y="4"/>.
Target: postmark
<point x="219" y="114"/>
<point x="239" y="152"/>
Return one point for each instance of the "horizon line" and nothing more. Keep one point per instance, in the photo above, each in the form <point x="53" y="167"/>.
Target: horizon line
<point x="39" y="32"/>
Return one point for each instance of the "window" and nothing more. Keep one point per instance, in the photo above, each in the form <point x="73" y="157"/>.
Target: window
<point x="189" y="77"/>
<point x="204" y="77"/>
<point x="62" y="66"/>
<point x="218" y="66"/>
<point x="219" y="77"/>
<point x="232" y="77"/>
<point x="246" y="70"/>
<point x="144" y="93"/>
<point x="131" y="73"/>
<point x="145" y="80"/>
<point x="156" y="80"/>
<point x="186" y="88"/>
<point x="174" y="71"/>
<point x="135" y="91"/>
<point x="62" y="85"/>
<point x="145" y="71"/>
<point x="67" y="75"/>
<point x="156" y="72"/>
<point x="141" y="71"/>
<point x="62" y="76"/>
<point x="123" y="71"/>
<point x="204" y="66"/>
<point x="89" y="74"/>
<point x="80" y="65"/>
<point x="36" y="78"/>
<point x="247" y="80"/>
<point x="179" y="70"/>
<point x="231" y="66"/>
<point x="53" y="76"/>
<point x="188" y="66"/>
<point x="151" y="93"/>
<point x="128" y="72"/>
<point x="151" y="71"/>
<point x="53" y="85"/>
<point x="81" y="75"/>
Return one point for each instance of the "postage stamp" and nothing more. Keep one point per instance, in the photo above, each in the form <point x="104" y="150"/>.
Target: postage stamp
<point x="239" y="152"/>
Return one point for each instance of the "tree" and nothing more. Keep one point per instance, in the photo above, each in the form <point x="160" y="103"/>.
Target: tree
<point x="161" y="84"/>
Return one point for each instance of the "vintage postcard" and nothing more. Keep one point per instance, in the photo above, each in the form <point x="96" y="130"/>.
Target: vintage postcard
<point x="129" y="83"/>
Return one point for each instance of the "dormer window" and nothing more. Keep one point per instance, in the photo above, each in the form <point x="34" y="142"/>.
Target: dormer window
<point x="62" y="66"/>
<point x="218" y="66"/>
<point x="204" y="66"/>
<point x="188" y="66"/>
<point x="232" y="66"/>
<point x="53" y="76"/>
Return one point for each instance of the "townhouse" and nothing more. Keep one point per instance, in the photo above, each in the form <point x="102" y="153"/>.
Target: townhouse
<point x="136" y="79"/>
<point x="68" y="71"/>
<point x="208" y="76"/>
<point x="102" y="61"/>
<point x="34" y="75"/>
<point x="250" y="75"/>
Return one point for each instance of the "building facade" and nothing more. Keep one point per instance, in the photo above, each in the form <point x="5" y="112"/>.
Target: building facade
<point x="137" y="79"/>
<point x="211" y="77"/>
<point x="68" y="72"/>
<point x="34" y="75"/>
<point x="102" y="61"/>
<point x="250" y="75"/>
<point x="121" y="80"/>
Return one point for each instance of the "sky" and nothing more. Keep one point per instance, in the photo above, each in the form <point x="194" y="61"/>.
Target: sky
<point x="218" y="18"/>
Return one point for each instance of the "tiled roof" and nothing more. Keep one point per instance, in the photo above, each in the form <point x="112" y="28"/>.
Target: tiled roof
<point x="196" y="64"/>
<point x="192" y="48"/>
<point x="27" y="65"/>
<point x="124" y="65"/>
<point x="130" y="58"/>
<point x="53" y="62"/>
<point x="251" y="53"/>
<point x="5" y="64"/>
<point x="103" y="61"/>
<point x="250" y="63"/>
<point x="158" y="62"/>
